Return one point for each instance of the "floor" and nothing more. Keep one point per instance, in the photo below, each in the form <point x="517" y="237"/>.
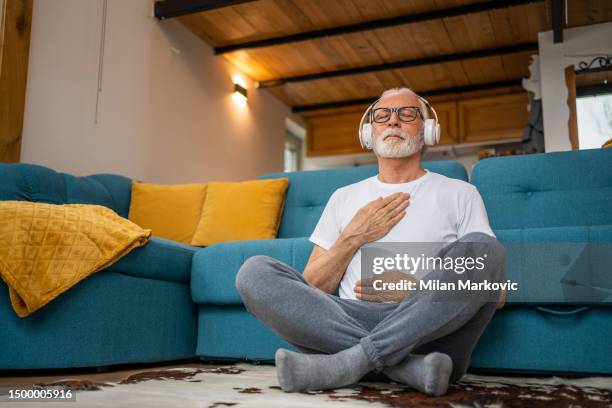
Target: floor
<point x="245" y="385"/>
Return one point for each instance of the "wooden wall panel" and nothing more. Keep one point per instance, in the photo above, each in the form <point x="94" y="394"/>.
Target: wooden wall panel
<point x="492" y="118"/>
<point x="14" y="52"/>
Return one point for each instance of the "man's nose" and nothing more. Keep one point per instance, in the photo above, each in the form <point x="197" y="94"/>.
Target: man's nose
<point x="394" y="120"/>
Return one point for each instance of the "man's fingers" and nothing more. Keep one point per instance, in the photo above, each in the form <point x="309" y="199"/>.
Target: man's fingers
<point x="383" y="202"/>
<point x="364" y="282"/>
<point x="370" y="298"/>
<point x="391" y="221"/>
<point x="397" y="201"/>
<point x="366" y="291"/>
<point x="400" y="208"/>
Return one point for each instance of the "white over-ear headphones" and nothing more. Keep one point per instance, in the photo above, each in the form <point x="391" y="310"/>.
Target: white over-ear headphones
<point x="431" y="127"/>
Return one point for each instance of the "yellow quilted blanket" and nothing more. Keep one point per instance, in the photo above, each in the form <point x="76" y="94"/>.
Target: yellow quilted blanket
<point x="45" y="249"/>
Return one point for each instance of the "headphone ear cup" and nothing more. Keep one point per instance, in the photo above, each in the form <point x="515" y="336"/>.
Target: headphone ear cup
<point x="431" y="132"/>
<point x="366" y="136"/>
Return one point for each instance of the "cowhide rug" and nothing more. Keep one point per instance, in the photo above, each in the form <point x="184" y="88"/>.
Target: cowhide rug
<point x="246" y="385"/>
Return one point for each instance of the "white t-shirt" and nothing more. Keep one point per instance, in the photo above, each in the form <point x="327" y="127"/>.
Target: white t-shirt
<point x="441" y="209"/>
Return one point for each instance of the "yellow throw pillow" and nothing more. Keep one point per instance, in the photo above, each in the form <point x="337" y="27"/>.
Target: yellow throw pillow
<point x="171" y="211"/>
<point x="236" y="211"/>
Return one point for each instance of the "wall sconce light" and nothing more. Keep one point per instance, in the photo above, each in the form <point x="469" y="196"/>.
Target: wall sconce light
<point x="240" y="93"/>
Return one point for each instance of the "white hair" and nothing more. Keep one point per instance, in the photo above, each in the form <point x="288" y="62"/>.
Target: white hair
<point x="404" y="90"/>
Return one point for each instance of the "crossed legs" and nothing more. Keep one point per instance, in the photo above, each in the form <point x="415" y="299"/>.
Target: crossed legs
<point x="345" y="339"/>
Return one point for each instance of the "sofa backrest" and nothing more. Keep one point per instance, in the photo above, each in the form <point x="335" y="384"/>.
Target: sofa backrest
<point x="553" y="213"/>
<point x="309" y="192"/>
<point x="29" y="182"/>
<point x="561" y="189"/>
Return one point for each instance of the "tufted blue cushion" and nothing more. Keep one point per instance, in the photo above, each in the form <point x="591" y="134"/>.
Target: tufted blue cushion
<point x="29" y="182"/>
<point x="309" y="191"/>
<point x="159" y="259"/>
<point x="214" y="268"/>
<point x="547" y="190"/>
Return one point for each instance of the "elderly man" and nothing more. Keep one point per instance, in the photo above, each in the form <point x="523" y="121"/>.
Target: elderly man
<point x="416" y="340"/>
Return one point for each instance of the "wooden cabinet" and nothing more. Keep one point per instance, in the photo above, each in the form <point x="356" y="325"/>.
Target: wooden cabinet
<point x="334" y="133"/>
<point x="492" y="118"/>
<point x="447" y="115"/>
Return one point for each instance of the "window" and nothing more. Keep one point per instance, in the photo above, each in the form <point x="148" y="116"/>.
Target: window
<point x="293" y="152"/>
<point x="594" y="120"/>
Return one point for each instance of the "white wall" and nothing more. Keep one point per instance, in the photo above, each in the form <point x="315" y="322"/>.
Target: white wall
<point x="165" y="112"/>
<point x="579" y="44"/>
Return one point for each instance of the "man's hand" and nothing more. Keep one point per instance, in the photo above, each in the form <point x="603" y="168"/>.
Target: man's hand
<point x="364" y="289"/>
<point x="502" y="300"/>
<point x="374" y="220"/>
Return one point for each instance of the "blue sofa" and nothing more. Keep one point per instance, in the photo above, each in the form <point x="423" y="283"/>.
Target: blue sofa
<point x="138" y="310"/>
<point x="562" y="197"/>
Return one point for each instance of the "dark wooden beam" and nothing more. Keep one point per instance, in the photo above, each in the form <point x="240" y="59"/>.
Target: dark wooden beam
<point x="175" y="8"/>
<point x="437" y="59"/>
<point x="558" y="19"/>
<point x="433" y="92"/>
<point x="377" y="24"/>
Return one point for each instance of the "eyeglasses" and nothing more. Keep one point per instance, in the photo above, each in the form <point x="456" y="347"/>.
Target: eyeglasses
<point x="405" y="114"/>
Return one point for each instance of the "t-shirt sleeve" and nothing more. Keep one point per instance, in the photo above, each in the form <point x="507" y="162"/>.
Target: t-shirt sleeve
<point x="328" y="228"/>
<point x="473" y="215"/>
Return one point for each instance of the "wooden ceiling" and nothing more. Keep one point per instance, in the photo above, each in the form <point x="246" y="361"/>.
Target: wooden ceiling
<point x="465" y="49"/>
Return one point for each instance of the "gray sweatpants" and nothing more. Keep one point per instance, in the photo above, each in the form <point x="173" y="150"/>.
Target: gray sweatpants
<point x="316" y="322"/>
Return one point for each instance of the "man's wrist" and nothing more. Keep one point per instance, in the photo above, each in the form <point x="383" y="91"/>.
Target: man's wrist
<point x="352" y="242"/>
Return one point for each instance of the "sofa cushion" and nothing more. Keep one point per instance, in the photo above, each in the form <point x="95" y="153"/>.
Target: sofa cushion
<point x="158" y="259"/>
<point x="29" y="182"/>
<point x="238" y="211"/>
<point x="309" y="192"/>
<point x="547" y="190"/>
<point x="171" y="211"/>
<point x="215" y="268"/>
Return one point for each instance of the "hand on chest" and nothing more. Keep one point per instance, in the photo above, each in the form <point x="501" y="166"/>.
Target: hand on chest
<point x="425" y="221"/>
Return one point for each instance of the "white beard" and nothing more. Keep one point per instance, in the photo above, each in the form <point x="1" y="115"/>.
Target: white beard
<point x="393" y="148"/>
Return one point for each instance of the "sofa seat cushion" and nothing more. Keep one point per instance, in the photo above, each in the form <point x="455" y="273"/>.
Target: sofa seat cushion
<point x="215" y="267"/>
<point x="158" y="259"/>
<point x="562" y="265"/>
